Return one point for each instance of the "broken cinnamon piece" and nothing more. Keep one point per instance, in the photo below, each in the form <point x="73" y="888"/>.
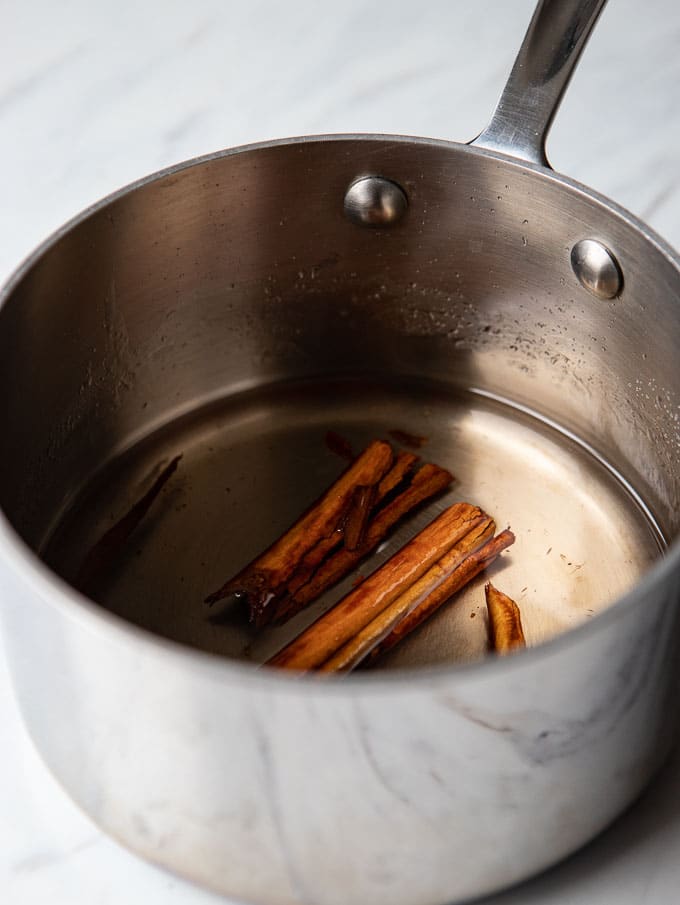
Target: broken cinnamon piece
<point x="407" y="439"/>
<point x="358" y="515"/>
<point x="104" y="552"/>
<point x="325" y="636"/>
<point x="339" y="445"/>
<point x="358" y="647"/>
<point x="267" y="575"/>
<point x="475" y="563"/>
<point x="430" y="480"/>
<point x="505" y="623"/>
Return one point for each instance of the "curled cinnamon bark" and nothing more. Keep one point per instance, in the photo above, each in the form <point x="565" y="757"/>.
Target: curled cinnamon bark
<point x="505" y="623"/>
<point x="267" y="575"/>
<point x="430" y="480"/>
<point x="358" y="647"/>
<point x="289" y="605"/>
<point x="403" y="464"/>
<point x="469" y="568"/>
<point x="358" y="608"/>
<point x="310" y="563"/>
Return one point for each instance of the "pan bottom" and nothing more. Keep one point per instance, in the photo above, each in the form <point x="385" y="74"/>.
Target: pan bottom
<point x="252" y="463"/>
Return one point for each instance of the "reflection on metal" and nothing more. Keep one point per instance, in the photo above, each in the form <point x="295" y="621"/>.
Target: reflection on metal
<point x="375" y="201"/>
<point x="551" y="49"/>
<point x="596" y="269"/>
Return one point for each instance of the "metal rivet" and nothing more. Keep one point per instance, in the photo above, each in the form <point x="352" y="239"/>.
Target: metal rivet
<point x="596" y="269"/>
<point x="375" y="201"/>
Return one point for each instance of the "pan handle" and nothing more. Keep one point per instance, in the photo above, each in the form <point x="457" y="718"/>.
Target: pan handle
<point x="546" y="60"/>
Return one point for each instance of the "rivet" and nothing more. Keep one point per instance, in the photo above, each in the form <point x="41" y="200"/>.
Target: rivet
<point x="596" y="269"/>
<point x="375" y="201"/>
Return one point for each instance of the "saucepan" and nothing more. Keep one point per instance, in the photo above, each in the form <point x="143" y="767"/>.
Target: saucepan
<point x="235" y="309"/>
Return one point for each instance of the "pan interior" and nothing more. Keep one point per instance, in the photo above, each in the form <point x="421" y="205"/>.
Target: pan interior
<point x="228" y="310"/>
<point x="252" y="464"/>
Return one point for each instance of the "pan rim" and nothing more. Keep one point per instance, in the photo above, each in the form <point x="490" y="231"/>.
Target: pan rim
<point x="548" y="173"/>
<point x="56" y="592"/>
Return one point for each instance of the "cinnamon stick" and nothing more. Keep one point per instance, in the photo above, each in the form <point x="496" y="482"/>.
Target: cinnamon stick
<point x="318" y="571"/>
<point x="104" y="552"/>
<point x="325" y="636"/>
<point x="267" y="574"/>
<point x="358" y="647"/>
<point x="310" y="563"/>
<point x="358" y="516"/>
<point x="403" y="463"/>
<point x="505" y="623"/>
<point x="430" y="480"/>
<point x="469" y="568"/>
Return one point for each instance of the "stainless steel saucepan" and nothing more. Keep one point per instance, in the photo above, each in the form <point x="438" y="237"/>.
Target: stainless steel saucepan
<point x="234" y="309"/>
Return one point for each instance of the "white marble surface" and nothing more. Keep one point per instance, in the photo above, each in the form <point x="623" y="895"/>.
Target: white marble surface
<point x="93" y="95"/>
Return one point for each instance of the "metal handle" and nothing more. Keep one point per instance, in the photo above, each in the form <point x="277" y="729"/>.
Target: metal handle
<point x="549" y="53"/>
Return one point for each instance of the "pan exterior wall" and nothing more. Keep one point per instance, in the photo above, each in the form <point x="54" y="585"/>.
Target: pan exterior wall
<point x="434" y="789"/>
